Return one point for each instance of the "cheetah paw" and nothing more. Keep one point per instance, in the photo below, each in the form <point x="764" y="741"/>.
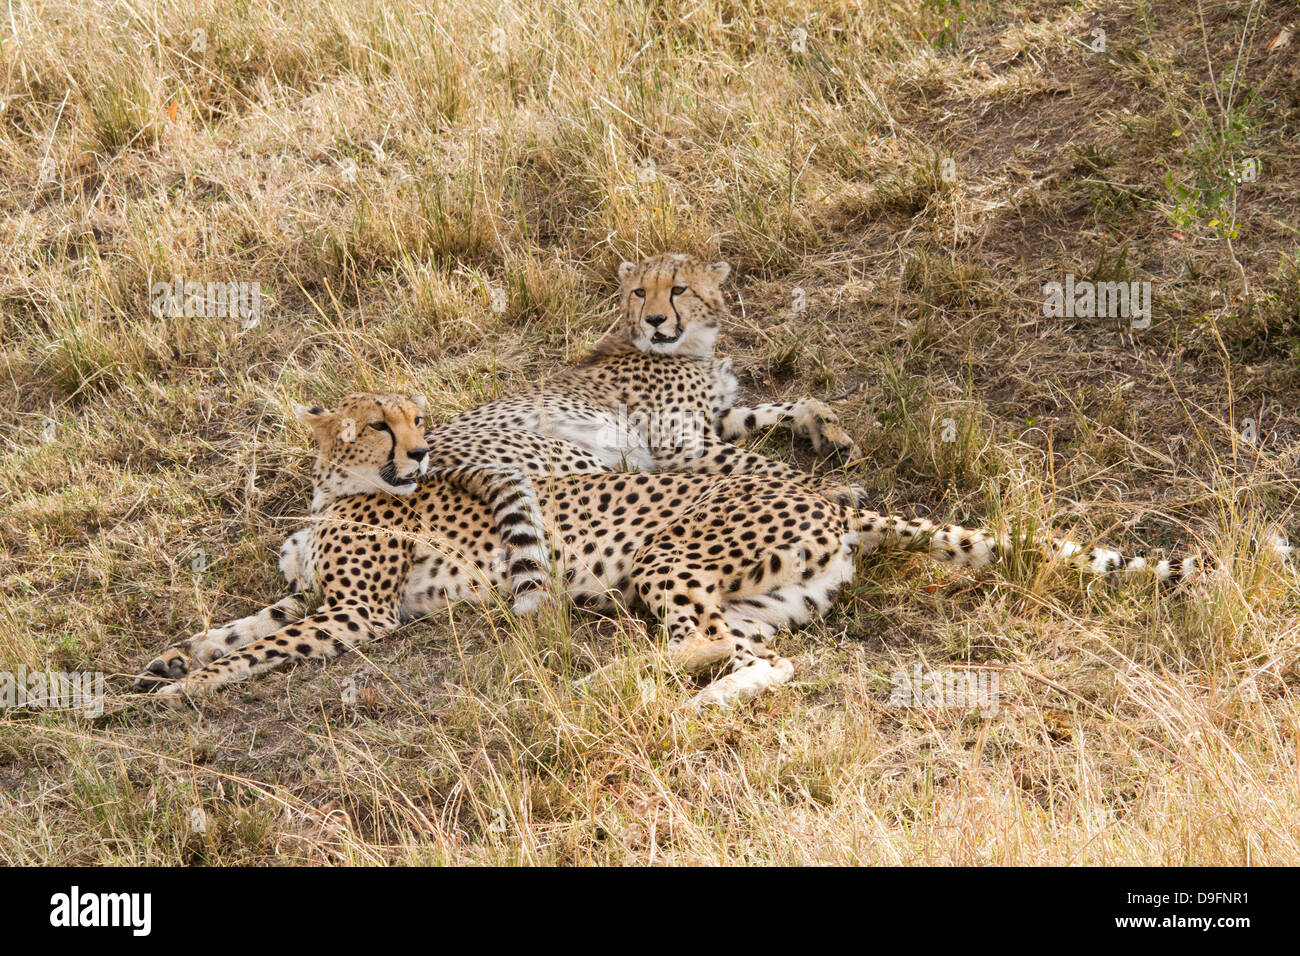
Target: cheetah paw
<point x="171" y="665"/>
<point x="831" y="437"/>
<point x="750" y="681"/>
<point x="531" y="602"/>
<point x="818" y="422"/>
<point x="850" y="496"/>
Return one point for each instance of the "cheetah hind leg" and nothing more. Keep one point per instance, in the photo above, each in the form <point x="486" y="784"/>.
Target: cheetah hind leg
<point x="757" y="667"/>
<point x="751" y="667"/>
<point x="688" y="651"/>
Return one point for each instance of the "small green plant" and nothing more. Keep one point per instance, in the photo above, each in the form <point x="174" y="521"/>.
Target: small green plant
<point x="1219" y="159"/>
<point x="944" y="19"/>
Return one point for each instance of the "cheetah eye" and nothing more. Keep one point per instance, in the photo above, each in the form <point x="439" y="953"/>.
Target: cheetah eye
<point x="378" y="426"/>
<point x="678" y="289"/>
<point x="639" y="293"/>
<point x="418" y="421"/>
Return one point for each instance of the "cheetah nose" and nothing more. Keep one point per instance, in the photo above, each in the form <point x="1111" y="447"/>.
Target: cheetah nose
<point x="417" y="454"/>
<point x="656" y="320"/>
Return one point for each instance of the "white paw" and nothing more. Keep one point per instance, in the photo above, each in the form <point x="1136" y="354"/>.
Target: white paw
<point x="749" y="681"/>
<point x="170" y="695"/>
<point x="818" y="423"/>
<point x="531" y="602"/>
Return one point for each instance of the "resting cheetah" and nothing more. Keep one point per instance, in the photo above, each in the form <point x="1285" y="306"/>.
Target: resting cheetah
<point x="652" y="391"/>
<point x="722" y="560"/>
<point x="651" y="395"/>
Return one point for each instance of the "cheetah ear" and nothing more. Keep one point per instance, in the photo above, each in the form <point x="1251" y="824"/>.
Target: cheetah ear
<point x="625" y="271"/>
<point x="313" y="415"/>
<point x="419" y="401"/>
<point x="718" y="271"/>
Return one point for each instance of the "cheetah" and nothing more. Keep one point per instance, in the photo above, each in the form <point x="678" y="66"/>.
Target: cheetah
<point x="354" y="431"/>
<point x="651" y="395"/>
<point x="723" y="561"/>
<point x="653" y="392"/>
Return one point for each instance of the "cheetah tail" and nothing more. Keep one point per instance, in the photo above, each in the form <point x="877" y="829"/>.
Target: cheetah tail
<point x="517" y="515"/>
<point x="1100" y="560"/>
<point x="966" y="547"/>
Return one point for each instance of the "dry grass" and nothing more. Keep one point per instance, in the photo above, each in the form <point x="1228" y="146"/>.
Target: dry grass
<point x="435" y="197"/>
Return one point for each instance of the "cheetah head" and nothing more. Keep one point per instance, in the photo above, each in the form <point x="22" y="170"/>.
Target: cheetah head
<point x="369" y="443"/>
<point x="672" y="304"/>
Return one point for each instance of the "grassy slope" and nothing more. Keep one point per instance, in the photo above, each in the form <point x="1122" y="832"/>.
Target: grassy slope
<point x="381" y="168"/>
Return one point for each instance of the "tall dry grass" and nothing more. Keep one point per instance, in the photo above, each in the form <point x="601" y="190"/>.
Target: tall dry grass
<point x="434" y="196"/>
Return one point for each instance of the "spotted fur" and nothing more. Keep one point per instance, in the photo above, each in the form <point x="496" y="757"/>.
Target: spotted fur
<point x="721" y="560"/>
<point x="724" y="561"/>
<point x="651" y="395"/>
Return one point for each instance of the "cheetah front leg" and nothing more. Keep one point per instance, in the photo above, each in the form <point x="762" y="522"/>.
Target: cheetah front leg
<point x="329" y="632"/>
<point x="206" y="646"/>
<point x="807" y="418"/>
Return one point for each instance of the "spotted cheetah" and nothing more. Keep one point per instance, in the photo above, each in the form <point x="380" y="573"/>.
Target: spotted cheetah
<point x="355" y="432"/>
<point x="654" y="393"/>
<point x="650" y="395"/>
<point x="722" y="560"/>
